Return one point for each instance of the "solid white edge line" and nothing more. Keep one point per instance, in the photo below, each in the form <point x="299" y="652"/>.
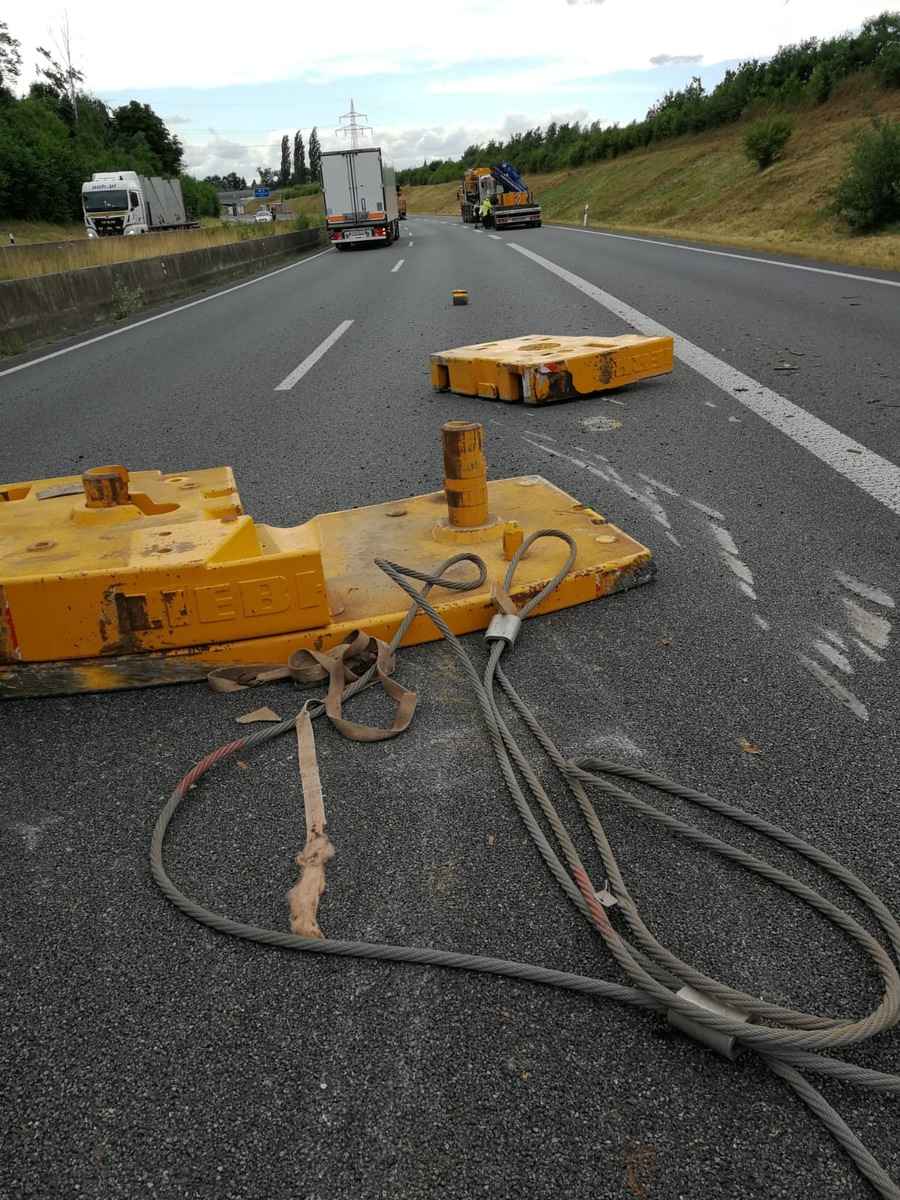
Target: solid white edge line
<point x="767" y="262"/>
<point x="159" y="316"/>
<point x="398" y="265"/>
<point x="863" y="467"/>
<point x="310" y="361"/>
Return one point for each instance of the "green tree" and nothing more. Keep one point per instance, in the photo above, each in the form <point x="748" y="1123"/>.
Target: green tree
<point x="60" y="82"/>
<point x="137" y="126"/>
<point x="40" y="175"/>
<point x="284" y="173"/>
<point x="867" y="196"/>
<point x="765" y="139"/>
<point x="10" y="59"/>
<point x="315" y="156"/>
<point x="299" y="174"/>
<point x="199" y="197"/>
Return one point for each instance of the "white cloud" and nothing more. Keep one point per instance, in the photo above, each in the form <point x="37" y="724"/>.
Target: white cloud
<point x="297" y="40"/>
<point x="674" y="60"/>
<point x="426" y="94"/>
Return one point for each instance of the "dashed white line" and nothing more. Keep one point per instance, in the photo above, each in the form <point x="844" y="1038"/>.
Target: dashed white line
<point x="171" y="312"/>
<point x="310" y="361"/>
<point x="398" y="265"/>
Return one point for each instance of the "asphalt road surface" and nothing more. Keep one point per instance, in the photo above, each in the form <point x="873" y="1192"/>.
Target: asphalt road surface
<point x="145" y="1055"/>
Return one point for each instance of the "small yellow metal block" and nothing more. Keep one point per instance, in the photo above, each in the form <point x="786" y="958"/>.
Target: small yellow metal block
<point x="166" y="578"/>
<point x="460" y="296"/>
<point x="543" y="368"/>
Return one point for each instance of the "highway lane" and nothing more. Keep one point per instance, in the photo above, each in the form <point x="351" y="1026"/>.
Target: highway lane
<point x="146" y="1051"/>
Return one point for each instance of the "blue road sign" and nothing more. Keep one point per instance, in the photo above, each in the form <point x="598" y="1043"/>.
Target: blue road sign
<point x="260" y="191"/>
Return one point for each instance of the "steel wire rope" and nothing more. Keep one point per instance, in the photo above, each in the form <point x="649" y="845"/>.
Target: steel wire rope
<point x="574" y="774"/>
<point x="650" y="965"/>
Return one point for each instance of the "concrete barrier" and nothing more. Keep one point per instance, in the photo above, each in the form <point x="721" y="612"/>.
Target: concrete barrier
<point x="46" y="307"/>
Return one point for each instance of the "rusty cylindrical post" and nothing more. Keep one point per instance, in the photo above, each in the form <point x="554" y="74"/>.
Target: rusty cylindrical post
<point x="105" y="487"/>
<point x="465" y="474"/>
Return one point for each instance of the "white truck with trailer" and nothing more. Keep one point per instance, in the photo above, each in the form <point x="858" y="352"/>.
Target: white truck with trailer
<point x="360" y="195"/>
<point x="123" y="202"/>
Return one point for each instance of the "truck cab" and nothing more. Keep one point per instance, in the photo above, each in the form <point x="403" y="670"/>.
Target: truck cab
<point x="114" y="204"/>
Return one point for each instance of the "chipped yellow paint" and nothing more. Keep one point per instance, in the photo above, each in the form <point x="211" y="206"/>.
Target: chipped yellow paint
<point x="188" y="582"/>
<point x="543" y="368"/>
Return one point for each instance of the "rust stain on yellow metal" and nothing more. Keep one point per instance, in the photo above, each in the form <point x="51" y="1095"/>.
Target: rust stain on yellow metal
<point x="184" y="581"/>
<point x="543" y="368"/>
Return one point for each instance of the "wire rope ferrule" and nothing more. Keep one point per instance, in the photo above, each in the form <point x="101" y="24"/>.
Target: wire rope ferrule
<point x="723" y="1043"/>
<point x="504" y="627"/>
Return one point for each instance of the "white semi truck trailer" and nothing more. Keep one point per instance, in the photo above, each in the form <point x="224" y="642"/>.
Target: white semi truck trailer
<point x="360" y="195"/>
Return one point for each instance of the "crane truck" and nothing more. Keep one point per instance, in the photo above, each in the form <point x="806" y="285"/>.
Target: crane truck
<point x="511" y="202"/>
<point x="123" y="202"/>
<point x="360" y="196"/>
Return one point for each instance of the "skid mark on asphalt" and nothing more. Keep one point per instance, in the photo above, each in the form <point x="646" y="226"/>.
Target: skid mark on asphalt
<point x="828" y="649"/>
<point x="870" y="632"/>
<point x="729" y="551"/>
<point x="840" y="693"/>
<point x="30" y="832"/>
<point x="867" y="470"/>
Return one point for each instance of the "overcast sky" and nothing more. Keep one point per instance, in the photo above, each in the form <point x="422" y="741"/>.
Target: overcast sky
<point x="229" y="80"/>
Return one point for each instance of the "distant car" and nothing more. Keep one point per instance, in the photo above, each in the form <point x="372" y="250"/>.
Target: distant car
<point x="265" y="216"/>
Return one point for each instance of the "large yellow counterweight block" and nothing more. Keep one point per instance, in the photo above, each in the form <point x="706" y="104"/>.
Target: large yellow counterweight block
<point x="115" y="580"/>
<point x="544" y="367"/>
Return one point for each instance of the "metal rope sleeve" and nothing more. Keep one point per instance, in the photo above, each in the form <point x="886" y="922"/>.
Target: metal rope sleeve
<point x="655" y="991"/>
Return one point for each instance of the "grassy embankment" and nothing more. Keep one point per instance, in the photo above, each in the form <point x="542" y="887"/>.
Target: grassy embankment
<point x="702" y="188"/>
<point x="699" y="188"/>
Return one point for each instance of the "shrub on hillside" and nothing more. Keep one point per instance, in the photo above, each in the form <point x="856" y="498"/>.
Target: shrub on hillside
<point x="886" y="68"/>
<point x="765" y="139"/>
<point x="867" y="196"/>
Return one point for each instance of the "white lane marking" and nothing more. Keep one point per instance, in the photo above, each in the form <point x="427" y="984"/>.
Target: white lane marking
<point x="101" y="337"/>
<point x="762" y="622"/>
<point x="496" y="237"/>
<point x="861" y="466"/>
<point x="410" y="241"/>
<point x="310" y="361"/>
<point x="398" y="265"/>
<point x="767" y="262"/>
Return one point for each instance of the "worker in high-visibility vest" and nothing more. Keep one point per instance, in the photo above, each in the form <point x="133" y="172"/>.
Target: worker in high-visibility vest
<point x="486" y="212"/>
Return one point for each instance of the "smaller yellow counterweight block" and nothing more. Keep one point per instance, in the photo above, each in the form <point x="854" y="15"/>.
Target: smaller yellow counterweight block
<point x="110" y="580"/>
<point x="544" y="367"/>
